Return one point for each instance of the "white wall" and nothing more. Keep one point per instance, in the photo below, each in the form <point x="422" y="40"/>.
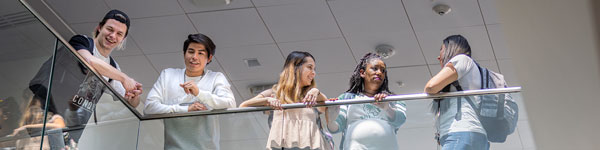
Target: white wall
<point x="555" y="51"/>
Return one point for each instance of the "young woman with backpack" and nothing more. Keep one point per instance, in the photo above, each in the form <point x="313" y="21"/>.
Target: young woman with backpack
<point x="462" y="131"/>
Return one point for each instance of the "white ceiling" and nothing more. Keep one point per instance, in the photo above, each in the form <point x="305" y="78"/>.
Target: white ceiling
<point x="337" y="32"/>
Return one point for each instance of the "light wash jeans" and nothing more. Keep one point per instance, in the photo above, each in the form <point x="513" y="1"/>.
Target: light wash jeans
<point x="464" y="141"/>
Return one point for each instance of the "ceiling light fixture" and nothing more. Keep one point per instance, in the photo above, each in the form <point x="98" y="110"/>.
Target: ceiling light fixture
<point x="384" y="50"/>
<point x="441" y="9"/>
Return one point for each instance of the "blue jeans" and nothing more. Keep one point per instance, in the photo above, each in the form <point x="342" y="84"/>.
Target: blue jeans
<point x="464" y="141"/>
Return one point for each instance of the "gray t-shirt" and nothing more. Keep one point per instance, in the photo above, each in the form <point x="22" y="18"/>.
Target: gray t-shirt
<point x="469" y="79"/>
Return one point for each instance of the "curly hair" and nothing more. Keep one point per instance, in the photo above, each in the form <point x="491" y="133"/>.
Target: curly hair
<point x="357" y="82"/>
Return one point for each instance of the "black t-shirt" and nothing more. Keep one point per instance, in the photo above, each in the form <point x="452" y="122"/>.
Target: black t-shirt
<point x="82" y="42"/>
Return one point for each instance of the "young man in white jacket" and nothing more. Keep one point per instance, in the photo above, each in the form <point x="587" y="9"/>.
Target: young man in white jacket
<point x="191" y="89"/>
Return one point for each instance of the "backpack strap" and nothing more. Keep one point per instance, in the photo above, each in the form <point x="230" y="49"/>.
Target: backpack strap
<point x="459" y="102"/>
<point x="113" y="63"/>
<point x="459" y="88"/>
<point x="458" y="115"/>
<point x="324" y="134"/>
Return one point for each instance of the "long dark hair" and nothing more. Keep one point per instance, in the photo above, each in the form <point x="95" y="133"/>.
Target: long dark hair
<point x="357" y="82"/>
<point x="455" y="45"/>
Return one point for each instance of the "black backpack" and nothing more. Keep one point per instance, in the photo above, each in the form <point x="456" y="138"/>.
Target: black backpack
<point x="66" y="65"/>
<point x="71" y="82"/>
<point x="498" y="113"/>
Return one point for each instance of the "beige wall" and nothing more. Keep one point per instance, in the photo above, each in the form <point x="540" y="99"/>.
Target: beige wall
<point x="554" y="45"/>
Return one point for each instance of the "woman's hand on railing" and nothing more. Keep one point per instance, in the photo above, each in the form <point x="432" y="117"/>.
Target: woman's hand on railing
<point x="379" y="97"/>
<point x="311" y="97"/>
<point x="17" y="130"/>
<point x="274" y="103"/>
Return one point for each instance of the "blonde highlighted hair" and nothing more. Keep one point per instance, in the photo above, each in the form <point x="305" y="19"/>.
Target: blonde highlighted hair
<point x="289" y="89"/>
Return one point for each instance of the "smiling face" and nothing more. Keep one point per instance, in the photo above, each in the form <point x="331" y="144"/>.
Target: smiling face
<point x="374" y="73"/>
<point x="307" y="72"/>
<point x="196" y="57"/>
<point x="110" y="34"/>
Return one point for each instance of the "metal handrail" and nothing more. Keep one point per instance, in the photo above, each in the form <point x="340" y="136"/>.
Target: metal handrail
<point x="404" y="97"/>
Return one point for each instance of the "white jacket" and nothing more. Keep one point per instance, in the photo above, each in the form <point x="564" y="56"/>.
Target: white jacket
<point x="201" y="132"/>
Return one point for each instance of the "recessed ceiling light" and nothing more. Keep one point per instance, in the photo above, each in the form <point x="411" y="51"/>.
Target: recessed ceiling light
<point x="385" y="50"/>
<point x="252" y="62"/>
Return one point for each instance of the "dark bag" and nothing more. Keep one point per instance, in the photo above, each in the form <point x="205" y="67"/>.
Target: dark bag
<point x="73" y="85"/>
<point x="498" y="113"/>
<point x="66" y="65"/>
<point x="327" y="137"/>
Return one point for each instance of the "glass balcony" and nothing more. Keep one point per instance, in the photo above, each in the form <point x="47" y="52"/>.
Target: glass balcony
<point x="55" y="101"/>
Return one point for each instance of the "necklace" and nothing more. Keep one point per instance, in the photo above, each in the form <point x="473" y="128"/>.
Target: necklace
<point x="191" y="78"/>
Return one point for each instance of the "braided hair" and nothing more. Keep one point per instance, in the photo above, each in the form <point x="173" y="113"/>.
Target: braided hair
<point x="357" y="82"/>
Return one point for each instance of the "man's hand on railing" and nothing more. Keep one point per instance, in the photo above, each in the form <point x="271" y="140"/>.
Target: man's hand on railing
<point x="133" y="96"/>
<point x="129" y="83"/>
<point x="196" y="106"/>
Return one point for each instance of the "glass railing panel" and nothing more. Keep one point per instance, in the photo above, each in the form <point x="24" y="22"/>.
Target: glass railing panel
<point x="236" y="131"/>
<point x="406" y="124"/>
<point x="25" y="45"/>
<point x="83" y="108"/>
<point x="422" y="124"/>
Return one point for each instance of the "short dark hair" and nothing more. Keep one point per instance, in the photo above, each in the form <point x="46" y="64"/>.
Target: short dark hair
<point x="117" y="15"/>
<point x="202" y="39"/>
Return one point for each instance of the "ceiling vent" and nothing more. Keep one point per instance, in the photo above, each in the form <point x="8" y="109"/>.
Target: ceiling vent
<point x="15" y="19"/>
<point x="252" y="62"/>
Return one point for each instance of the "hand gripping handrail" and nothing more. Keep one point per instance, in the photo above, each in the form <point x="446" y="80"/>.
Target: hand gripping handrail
<point x="404" y="97"/>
